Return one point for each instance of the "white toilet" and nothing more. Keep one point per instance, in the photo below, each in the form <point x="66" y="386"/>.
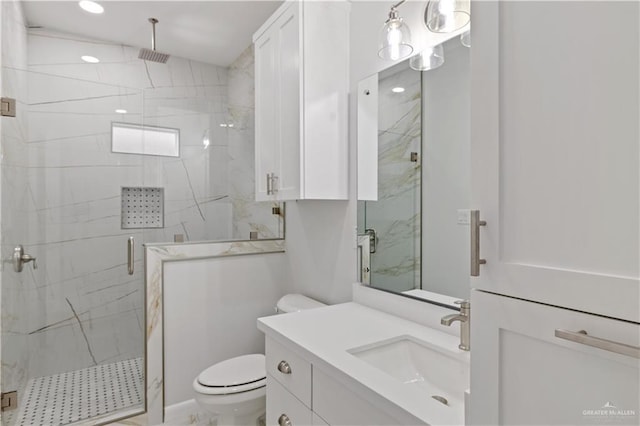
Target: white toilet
<point x="234" y="390"/>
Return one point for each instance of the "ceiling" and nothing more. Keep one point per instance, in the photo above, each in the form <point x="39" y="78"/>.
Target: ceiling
<point x="214" y="32"/>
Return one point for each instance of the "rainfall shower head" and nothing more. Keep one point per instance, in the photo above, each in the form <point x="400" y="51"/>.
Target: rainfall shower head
<point x="152" y="54"/>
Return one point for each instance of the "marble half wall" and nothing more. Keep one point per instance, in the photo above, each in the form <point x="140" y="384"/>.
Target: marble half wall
<point x="155" y="258"/>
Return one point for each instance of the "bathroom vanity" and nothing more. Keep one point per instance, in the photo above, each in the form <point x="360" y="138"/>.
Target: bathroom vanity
<point x="351" y="364"/>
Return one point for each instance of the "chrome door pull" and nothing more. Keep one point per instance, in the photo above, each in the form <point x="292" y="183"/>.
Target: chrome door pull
<point x="284" y="367"/>
<point x="19" y="259"/>
<point x="475" y="224"/>
<point x="274" y="183"/>
<point x="269" y="183"/>
<point x="607" y="345"/>
<point x="130" y="255"/>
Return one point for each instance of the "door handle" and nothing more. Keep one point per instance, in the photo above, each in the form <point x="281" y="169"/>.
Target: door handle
<point x="130" y="255"/>
<point x="19" y="258"/>
<point x="475" y="224"/>
<point x="597" y="342"/>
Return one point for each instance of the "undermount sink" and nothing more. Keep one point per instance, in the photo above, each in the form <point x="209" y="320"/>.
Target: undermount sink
<point x="442" y="374"/>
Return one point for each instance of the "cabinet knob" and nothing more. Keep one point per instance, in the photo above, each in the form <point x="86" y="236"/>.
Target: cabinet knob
<point x="284" y="367"/>
<point x="284" y="420"/>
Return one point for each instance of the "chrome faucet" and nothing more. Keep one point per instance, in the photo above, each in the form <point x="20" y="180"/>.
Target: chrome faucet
<point x="465" y="323"/>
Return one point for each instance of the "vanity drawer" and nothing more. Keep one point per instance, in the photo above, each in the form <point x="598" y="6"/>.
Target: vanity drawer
<point x="291" y="371"/>
<point x="283" y="406"/>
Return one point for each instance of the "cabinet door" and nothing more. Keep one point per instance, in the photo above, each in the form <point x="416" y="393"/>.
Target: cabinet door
<point x="288" y="101"/>
<point x="266" y="126"/>
<point x="521" y="373"/>
<point x="555" y="152"/>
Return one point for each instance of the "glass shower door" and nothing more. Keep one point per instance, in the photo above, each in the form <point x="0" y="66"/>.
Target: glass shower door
<point x="73" y="320"/>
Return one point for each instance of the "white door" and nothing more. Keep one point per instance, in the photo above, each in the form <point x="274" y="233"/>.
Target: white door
<point x="555" y="152"/>
<point x="527" y="368"/>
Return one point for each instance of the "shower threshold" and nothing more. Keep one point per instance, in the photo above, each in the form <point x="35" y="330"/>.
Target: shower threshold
<point x="78" y="395"/>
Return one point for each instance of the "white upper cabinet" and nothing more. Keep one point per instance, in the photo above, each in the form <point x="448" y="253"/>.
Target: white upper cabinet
<point x="555" y="152"/>
<point x="301" y="60"/>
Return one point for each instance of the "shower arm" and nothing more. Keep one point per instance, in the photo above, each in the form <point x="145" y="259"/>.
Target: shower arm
<point x="153" y="21"/>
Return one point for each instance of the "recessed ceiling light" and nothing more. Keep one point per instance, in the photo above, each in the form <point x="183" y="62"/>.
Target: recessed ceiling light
<point x="121" y="111"/>
<point x="91" y="6"/>
<point x="230" y="125"/>
<point x="397" y="89"/>
<point x="90" y="59"/>
<point x="223" y="124"/>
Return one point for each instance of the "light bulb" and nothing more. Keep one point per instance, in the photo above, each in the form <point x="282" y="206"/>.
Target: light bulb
<point x="394" y="37"/>
<point x="446" y="7"/>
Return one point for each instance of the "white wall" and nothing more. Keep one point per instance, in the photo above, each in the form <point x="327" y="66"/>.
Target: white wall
<point x="210" y="312"/>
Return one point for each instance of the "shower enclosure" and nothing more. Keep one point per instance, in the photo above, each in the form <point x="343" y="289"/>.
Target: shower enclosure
<point x="82" y="206"/>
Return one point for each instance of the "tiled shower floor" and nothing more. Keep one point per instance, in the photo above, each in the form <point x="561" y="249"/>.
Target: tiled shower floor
<point x="82" y="394"/>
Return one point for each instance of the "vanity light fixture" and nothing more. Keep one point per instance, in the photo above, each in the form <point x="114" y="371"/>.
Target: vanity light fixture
<point x="447" y="16"/>
<point x="91" y="6"/>
<point x="395" y="37"/>
<point x="429" y="59"/>
<point x="90" y="59"/>
<point x="397" y="89"/>
<point x="121" y="111"/>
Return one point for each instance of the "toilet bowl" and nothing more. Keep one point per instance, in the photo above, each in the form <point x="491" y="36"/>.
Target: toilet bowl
<point x="234" y="390"/>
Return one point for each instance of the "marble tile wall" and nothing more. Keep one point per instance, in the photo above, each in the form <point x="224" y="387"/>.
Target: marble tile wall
<point x="255" y="257"/>
<point x="80" y="307"/>
<point x="396" y="215"/>
<point x="14" y="201"/>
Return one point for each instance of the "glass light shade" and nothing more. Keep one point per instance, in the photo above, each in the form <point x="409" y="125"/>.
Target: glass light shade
<point x="395" y="40"/>
<point x="465" y="39"/>
<point x="446" y="16"/>
<point x="429" y="59"/>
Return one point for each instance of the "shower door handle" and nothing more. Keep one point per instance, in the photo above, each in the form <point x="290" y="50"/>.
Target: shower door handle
<point x="130" y="257"/>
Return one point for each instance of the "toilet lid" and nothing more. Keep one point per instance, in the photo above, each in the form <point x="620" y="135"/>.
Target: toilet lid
<point x="240" y="374"/>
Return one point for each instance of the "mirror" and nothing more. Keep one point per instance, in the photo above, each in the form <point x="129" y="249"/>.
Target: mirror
<point x="414" y="178"/>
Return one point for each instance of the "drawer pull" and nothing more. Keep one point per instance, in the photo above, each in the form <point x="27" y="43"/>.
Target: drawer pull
<point x="608" y="345"/>
<point x="284" y="368"/>
<point x="284" y="420"/>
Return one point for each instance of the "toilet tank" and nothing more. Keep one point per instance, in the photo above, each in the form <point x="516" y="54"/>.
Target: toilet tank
<point x="295" y="303"/>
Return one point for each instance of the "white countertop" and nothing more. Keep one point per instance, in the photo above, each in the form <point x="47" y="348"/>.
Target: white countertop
<point x="324" y="335"/>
